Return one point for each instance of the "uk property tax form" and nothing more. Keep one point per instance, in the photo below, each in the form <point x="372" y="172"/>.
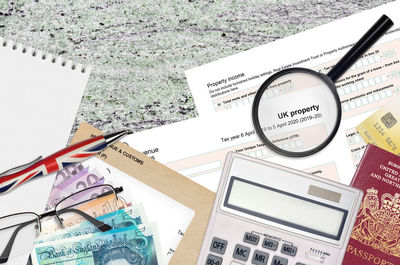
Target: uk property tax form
<point x="223" y="92"/>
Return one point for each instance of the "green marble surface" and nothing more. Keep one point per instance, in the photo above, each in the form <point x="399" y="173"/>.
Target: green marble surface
<point x="140" y="49"/>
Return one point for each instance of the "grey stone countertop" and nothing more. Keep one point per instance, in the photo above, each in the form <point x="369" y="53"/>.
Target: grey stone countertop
<point x="140" y="49"/>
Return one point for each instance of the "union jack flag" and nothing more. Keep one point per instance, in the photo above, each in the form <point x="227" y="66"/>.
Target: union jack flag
<point x="55" y="162"/>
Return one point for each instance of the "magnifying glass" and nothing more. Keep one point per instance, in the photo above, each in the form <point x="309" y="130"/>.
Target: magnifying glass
<point x="297" y="111"/>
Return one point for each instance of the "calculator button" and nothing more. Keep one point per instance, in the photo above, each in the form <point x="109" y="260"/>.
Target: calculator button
<point x="241" y="252"/>
<point x="235" y="263"/>
<point x="213" y="260"/>
<point x="251" y="238"/>
<point x="299" y="263"/>
<point x="260" y="258"/>
<point x="218" y="245"/>
<point x="289" y="250"/>
<point x="279" y="261"/>
<point x="270" y="244"/>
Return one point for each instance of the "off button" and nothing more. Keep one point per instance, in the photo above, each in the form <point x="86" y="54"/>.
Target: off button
<point x="218" y="245"/>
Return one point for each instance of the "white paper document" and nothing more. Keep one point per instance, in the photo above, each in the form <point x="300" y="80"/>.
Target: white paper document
<point x="39" y="100"/>
<point x="224" y="90"/>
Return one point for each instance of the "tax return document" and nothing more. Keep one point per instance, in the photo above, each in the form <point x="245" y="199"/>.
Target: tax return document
<point x="223" y="92"/>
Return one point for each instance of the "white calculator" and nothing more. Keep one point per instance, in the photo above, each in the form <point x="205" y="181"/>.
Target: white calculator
<point x="265" y="213"/>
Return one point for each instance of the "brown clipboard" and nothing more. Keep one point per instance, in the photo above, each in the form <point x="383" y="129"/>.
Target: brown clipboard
<point x="167" y="181"/>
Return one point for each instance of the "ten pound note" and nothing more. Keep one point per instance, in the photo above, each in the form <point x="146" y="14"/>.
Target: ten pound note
<point x="376" y="234"/>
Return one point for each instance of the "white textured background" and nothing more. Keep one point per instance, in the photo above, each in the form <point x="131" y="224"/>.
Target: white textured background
<point x="140" y="49"/>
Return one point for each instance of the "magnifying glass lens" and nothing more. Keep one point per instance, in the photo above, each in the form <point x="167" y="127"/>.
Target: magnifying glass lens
<point x="298" y="112"/>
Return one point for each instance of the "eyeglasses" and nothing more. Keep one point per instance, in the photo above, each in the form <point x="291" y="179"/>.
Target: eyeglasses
<point x="22" y="228"/>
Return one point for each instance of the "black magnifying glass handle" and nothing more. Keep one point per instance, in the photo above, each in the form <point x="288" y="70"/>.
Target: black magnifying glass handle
<point x="366" y="41"/>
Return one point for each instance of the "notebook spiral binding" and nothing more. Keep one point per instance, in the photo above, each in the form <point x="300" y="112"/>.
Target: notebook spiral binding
<point x="44" y="55"/>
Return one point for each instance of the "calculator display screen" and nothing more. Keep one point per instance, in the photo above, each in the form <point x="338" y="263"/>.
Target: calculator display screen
<point x="285" y="208"/>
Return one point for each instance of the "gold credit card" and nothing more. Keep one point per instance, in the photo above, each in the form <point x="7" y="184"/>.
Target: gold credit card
<point x="383" y="127"/>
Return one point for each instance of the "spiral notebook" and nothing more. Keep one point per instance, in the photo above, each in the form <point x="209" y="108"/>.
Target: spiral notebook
<point x="39" y="99"/>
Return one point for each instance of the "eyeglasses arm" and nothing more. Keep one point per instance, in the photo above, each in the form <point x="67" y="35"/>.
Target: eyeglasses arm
<point x="7" y="250"/>
<point x="100" y="225"/>
<point x="117" y="190"/>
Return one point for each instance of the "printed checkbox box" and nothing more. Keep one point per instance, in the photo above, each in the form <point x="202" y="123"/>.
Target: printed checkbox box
<point x="352" y="105"/>
<point x="264" y="152"/>
<point x="258" y="153"/>
<point x="359" y="64"/>
<point x="350" y="140"/>
<point x="370" y="99"/>
<point x="371" y="82"/>
<point x="371" y="60"/>
<point x="347" y="90"/>
<point x="292" y="145"/>
<point x="341" y="91"/>
<point x="382" y="94"/>
<point x="269" y="94"/>
<point x="364" y="101"/>
<point x="365" y="84"/>
<point x="377" y="79"/>
<point x="377" y="58"/>
<point x="364" y="62"/>
<point x="358" y="102"/>
<point x="276" y="92"/>
<point x="377" y="97"/>
<point x="384" y="78"/>
<point x="353" y="88"/>
<point x="389" y="92"/>
<point x="346" y="107"/>
<point x="359" y="86"/>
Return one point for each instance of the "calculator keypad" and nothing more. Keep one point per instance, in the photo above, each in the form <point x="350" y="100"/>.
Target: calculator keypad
<point x="241" y="252"/>
<point x="218" y="245"/>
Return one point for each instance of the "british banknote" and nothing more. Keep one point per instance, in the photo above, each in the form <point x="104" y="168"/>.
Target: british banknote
<point x="67" y="173"/>
<point x="120" y="246"/>
<point x="83" y="179"/>
<point x="131" y="216"/>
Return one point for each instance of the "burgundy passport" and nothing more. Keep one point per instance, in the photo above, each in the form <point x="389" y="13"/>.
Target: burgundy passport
<point x="375" y="238"/>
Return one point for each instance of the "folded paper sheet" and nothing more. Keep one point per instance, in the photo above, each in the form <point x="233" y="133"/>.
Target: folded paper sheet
<point x="137" y="167"/>
<point x="224" y="90"/>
